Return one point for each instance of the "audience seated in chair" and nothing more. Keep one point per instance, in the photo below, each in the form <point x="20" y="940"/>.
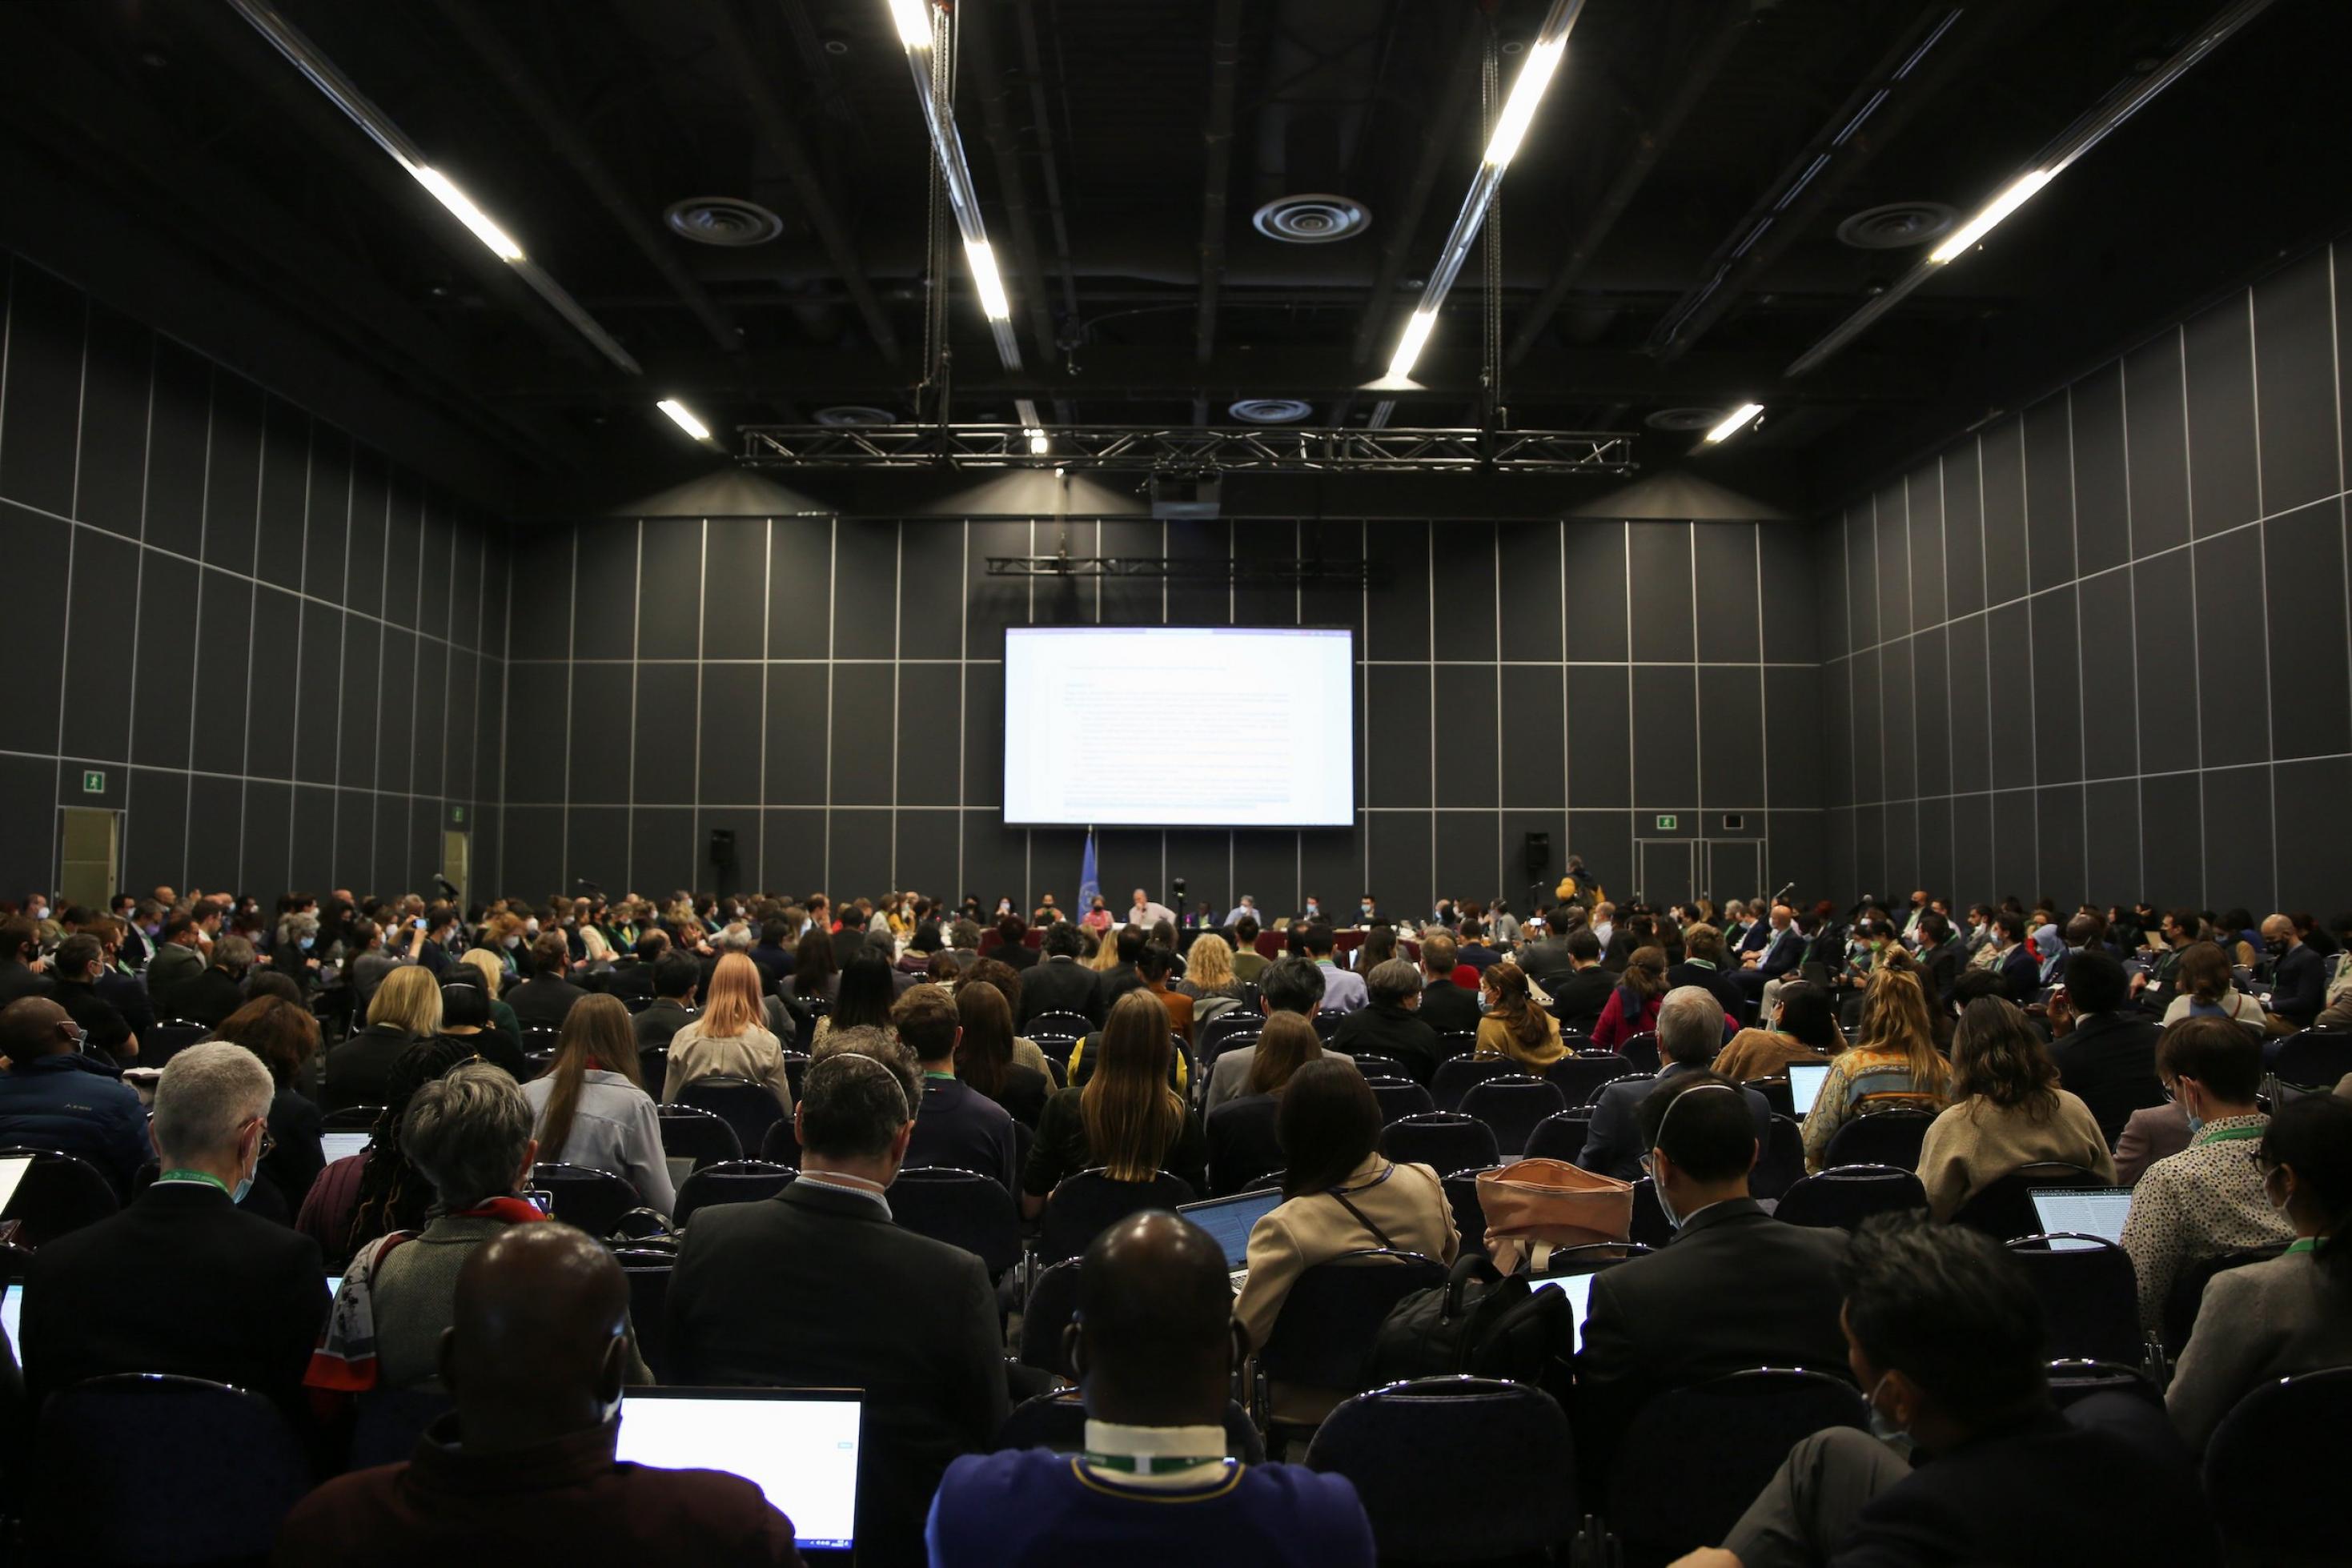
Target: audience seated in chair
<point x="730" y="1038"/>
<point x="1154" y="1351"/>
<point x="956" y="1124"/>
<point x="1244" y="1139"/>
<point x="182" y="1281"/>
<point x="2007" y="1111"/>
<point x="1946" y="1339"/>
<point x="2292" y="1314"/>
<point x="1059" y="983"/>
<point x="1804" y="1027"/>
<point x="53" y="1097"/>
<point x="1343" y="989"/>
<point x="375" y="1192"/>
<point x="1893" y="1064"/>
<point x="1690" y="1029"/>
<point x="676" y="980"/>
<point x="1392" y="1025"/>
<point x="407" y="1009"/>
<point x="1514" y="1026"/>
<point x="987" y="1055"/>
<point x="1124" y="1118"/>
<point x="590" y="1107"/>
<point x="1286" y="986"/>
<point x="548" y="996"/>
<point x="536" y="1354"/>
<point x="285" y="1036"/>
<point x="817" y="1287"/>
<point x="2104" y="1047"/>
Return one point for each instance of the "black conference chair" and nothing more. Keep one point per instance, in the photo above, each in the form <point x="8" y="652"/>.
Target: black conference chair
<point x="962" y="1208"/>
<point x="386" y="1422"/>
<point x="1229" y="1032"/>
<point x="1401" y="1097"/>
<point x="593" y="1200"/>
<point x="1648" y="1225"/>
<point x="1372" y="1065"/>
<point x="796" y="1066"/>
<point x="1882" y="1138"/>
<point x="2315" y="1058"/>
<point x="652" y="1068"/>
<point x="2274" y="1470"/>
<point x="731" y="1181"/>
<point x="1326" y="1023"/>
<point x="1780" y="1164"/>
<point x="2187" y="1292"/>
<point x="1441" y="1140"/>
<point x="1513" y="1105"/>
<point x="1641" y="1052"/>
<point x="1455" y="1077"/>
<point x="2003" y="1209"/>
<point x="235" y="1470"/>
<point x="1849" y="1195"/>
<point x="540" y="1039"/>
<point x="1469" y="1214"/>
<point x="1075" y="1026"/>
<point x="1455" y="1042"/>
<point x="1053" y="1302"/>
<point x="1322" y="1336"/>
<point x="168" y="1037"/>
<point x="58" y="1193"/>
<point x="2075" y="1379"/>
<point x="1580" y="1076"/>
<point x="351" y="1119"/>
<point x="1058" y="1421"/>
<point x="690" y="1133"/>
<point x="749" y="1108"/>
<point x="1083" y="1206"/>
<point x="782" y="1146"/>
<point x="2089" y="1293"/>
<point x="648" y="1271"/>
<point x="1776" y="1094"/>
<point x="1456" y="1470"/>
<point x="1693" y="1459"/>
<point x="1560" y="1136"/>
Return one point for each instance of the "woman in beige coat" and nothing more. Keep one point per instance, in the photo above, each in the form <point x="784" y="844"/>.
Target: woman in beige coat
<point x="2007" y="1111"/>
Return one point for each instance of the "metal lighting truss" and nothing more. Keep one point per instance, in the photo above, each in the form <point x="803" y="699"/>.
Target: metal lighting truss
<point x="1162" y="568"/>
<point x="1186" y="449"/>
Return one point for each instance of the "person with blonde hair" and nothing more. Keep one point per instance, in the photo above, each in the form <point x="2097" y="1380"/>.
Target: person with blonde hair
<point x="2007" y="1111"/>
<point x="1893" y="1063"/>
<point x="1209" y="971"/>
<point x="1125" y="1119"/>
<point x="590" y="1107"/>
<point x="493" y="978"/>
<point x="729" y="1040"/>
<point x="406" y="1009"/>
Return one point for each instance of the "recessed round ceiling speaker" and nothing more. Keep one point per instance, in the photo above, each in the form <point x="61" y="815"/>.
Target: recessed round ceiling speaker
<point x="1314" y="219"/>
<point x="1686" y="418"/>
<point x="1897" y="226"/>
<point x="1271" y="410"/>
<point x="723" y="221"/>
<point x="854" y="413"/>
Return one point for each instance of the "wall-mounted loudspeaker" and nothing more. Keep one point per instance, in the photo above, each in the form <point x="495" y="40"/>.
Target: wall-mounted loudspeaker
<point x="1539" y="853"/>
<point x="722" y="847"/>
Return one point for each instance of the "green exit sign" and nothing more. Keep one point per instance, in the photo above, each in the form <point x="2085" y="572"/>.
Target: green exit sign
<point x="457" y="815"/>
<point x="93" y="782"/>
<point x="1665" y="824"/>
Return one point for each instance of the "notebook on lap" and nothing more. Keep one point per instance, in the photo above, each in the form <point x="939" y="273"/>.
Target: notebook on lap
<point x="334" y="1146"/>
<point x="1230" y="1220"/>
<point x="798" y="1446"/>
<point x="2087" y="1210"/>
<point x="1578" y="1288"/>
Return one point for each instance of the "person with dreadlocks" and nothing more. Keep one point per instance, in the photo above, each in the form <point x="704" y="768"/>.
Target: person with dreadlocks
<point x="364" y="1195"/>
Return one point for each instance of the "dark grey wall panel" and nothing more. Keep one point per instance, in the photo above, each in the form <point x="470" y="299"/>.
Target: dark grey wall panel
<point x="178" y="429"/>
<point x="39" y="441"/>
<point x="1397" y="620"/>
<point x="1923" y="492"/>
<point x="799" y="588"/>
<point x="281" y="517"/>
<point x="1397" y="720"/>
<point x="327" y="541"/>
<point x="2315" y="866"/>
<point x="1731" y="740"/>
<point x="1534" y="749"/>
<point x="1462" y="590"/>
<point x="155" y="829"/>
<point x="1793" y="631"/>
<point x="1899" y="732"/>
<point x="792" y="849"/>
<point x="1532" y="586"/>
<point x="664" y="736"/>
<point x="1891" y="531"/>
<point x="1664" y="623"/>
<point x="734" y="589"/>
<point x="863" y="744"/>
<point x="729" y="738"/>
<point x="115" y="368"/>
<point x="866" y="589"/>
<point x="2137" y="715"/>
<point x="1469" y="854"/>
<point x="1730" y="582"/>
<point x="605" y="622"/>
<point x="1596" y="589"/>
<point x="1792" y="768"/>
<point x="1665" y="735"/>
<point x="1466" y="733"/>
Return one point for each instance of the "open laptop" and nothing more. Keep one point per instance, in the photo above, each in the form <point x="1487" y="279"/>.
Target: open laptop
<point x="799" y="1446"/>
<point x="1578" y="1288"/>
<point x="12" y="1314"/>
<point x="2091" y="1210"/>
<point x="1230" y="1220"/>
<point x="1805" y="1079"/>
<point x="334" y="1146"/>
<point x="12" y="1176"/>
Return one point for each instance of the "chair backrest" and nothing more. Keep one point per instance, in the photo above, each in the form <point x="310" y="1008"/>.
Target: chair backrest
<point x="1693" y="1459"/>
<point x="541" y="1037"/>
<point x="1373" y="1065"/>
<point x="749" y="1108"/>
<point x="1229" y="1032"/>
<point x="962" y="1208"/>
<point x="1455" y="1468"/>
<point x="1580" y="1076"/>
<point x="1648" y="1225"/>
<point x="1469" y="1214"/>
<point x="653" y="1067"/>
<point x="1881" y="1138"/>
<point x="387" y="1422"/>
<point x="1401" y="1097"/>
<point x="1849" y="1195"/>
<point x="1512" y="1105"/>
<point x="235" y="1467"/>
<point x="1560" y="1136"/>
<point x="1454" y="1042"/>
<point x="1076" y="1026"/>
<point x="1776" y="1094"/>
<point x="1083" y="1206"/>
<point x="782" y="1146"/>
<point x="1454" y="1077"/>
<point x="1053" y="1301"/>
<point x="691" y="1133"/>
<point x="648" y="1272"/>
<point x="2315" y="1058"/>
<point x="1441" y="1140"/>
<point x="1328" y="1022"/>
<point x="2089" y="1294"/>
<point x="1780" y="1164"/>
<point x="1323" y="1333"/>
<point x="796" y="1066"/>
<point x="1640" y="1051"/>
<point x="1058" y="1421"/>
<point x="2003" y="1208"/>
<point x="2188" y="1290"/>
<point x="350" y="1119"/>
<point x="2273" y="1468"/>
<point x="730" y="1181"/>
<point x="59" y="1193"/>
<point x="593" y="1200"/>
<point x="169" y="1037"/>
<point x="2074" y="1379"/>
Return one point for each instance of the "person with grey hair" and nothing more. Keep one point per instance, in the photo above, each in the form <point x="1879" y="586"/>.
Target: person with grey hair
<point x="1392" y="1025"/>
<point x="246" y="1296"/>
<point x="219" y="990"/>
<point x="469" y="1133"/>
<point x="816" y="1287"/>
<point x="1692" y="1028"/>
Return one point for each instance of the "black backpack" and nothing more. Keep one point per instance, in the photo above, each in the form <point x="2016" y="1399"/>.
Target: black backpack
<point x="1478" y="1323"/>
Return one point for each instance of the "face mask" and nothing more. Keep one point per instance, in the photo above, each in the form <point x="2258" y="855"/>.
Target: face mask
<point x="1665" y="1204"/>
<point x="1312" y="909"/>
<point x="514" y="941"/>
<point x="40" y="912"/>
<point x="2196" y="1122"/>
<point x="1367" y="908"/>
<point x="2278" y="1204"/>
<point x="152" y="930"/>
<point x="306" y="942"/>
<point x="1485" y="1003"/>
<point x="531" y="927"/>
<point x="1882" y="1426"/>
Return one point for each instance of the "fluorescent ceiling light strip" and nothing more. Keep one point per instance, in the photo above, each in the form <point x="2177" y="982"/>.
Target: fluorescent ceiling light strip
<point x="913" y="18"/>
<point x="1736" y="422"/>
<point x="1526" y="92"/>
<point x="445" y="191"/>
<point x="2020" y="192"/>
<point x="683" y="417"/>
<point x="992" y="302"/>
<point x="1416" y="333"/>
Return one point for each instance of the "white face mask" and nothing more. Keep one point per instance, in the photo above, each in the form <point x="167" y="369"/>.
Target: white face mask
<point x="514" y="941"/>
<point x="531" y="927"/>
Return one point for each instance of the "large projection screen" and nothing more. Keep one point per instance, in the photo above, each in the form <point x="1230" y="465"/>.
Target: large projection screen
<point x="1114" y="727"/>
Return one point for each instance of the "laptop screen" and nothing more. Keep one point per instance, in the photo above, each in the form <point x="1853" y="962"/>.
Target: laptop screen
<point x="1230" y="1220"/>
<point x="1577" y="1288"/>
<point x="798" y="1446"/>
<point x="1805" y="1083"/>
<point x="2094" y="1211"/>
<point x="334" y="1146"/>
<point x="12" y="1174"/>
<point x="12" y="1311"/>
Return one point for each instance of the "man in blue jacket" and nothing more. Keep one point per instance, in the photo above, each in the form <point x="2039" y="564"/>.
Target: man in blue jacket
<point x="53" y="1097"/>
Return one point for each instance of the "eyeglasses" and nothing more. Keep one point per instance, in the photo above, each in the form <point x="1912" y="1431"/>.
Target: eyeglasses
<point x="268" y="1143"/>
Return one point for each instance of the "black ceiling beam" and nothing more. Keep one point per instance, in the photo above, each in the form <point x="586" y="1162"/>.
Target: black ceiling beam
<point x="1216" y="175"/>
<point x="976" y="38"/>
<point x="763" y="102"/>
<point x="1591" y="230"/>
<point x="570" y="144"/>
<point x="1403" y="223"/>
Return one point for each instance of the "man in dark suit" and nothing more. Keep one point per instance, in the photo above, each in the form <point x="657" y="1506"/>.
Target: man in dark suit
<point x="2298" y="977"/>
<point x="1945" y="1338"/>
<point x="1546" y="961"/>
<point x="1735" y="1289"/>
<point x="817" y="1287"/>
<point x="1779" y="954"/>
<point x="1446" y="1006"/>
<point x="219" y="989"/>
<point x="244" y="1296"/>
<point x="1578" y="999"/>
<point x="547" y="997"/>
<point x="1116" y="983"/>
<point x="774" y="952"/>
<point x="675" y="979"/>
<point x="850" y="940"/>
<point x="1941" y="959"/>
<point x="1061" y="984"/>
<point x="1392" y="1025"/>
<point x="2105" y="1048"/>
<point x="1690" y="1034"/>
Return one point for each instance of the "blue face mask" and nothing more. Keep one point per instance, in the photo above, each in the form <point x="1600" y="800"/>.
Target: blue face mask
<point x="1485" y="1003"/>
<point x="1882" y="1426"/>
<point x="307" y="941"/>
